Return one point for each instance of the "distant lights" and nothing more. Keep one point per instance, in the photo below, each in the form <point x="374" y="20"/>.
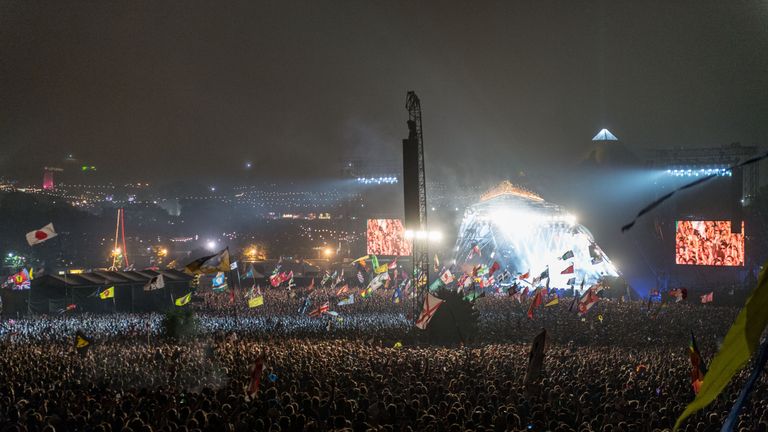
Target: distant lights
<point x="433" y="236"/>
<point x="377" y="180"/>
<point x="700" y="172"/>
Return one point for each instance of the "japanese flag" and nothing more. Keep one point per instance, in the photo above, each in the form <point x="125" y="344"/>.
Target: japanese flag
<point x="41" y="235"/>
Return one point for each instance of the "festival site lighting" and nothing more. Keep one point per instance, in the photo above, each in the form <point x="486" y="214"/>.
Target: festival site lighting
<point x="432" y="236"/>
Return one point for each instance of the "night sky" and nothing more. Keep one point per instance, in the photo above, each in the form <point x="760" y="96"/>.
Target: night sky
<point x="171" y="91"/>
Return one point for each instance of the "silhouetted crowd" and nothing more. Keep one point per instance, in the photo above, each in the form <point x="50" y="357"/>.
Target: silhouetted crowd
<point x="620" y="367"/>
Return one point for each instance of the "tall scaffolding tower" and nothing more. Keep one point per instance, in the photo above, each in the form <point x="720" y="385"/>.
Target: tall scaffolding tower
<point x="415" y="196"/>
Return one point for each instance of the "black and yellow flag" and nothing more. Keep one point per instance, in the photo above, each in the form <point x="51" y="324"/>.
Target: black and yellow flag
<point x="81" y="343"/>
<point x="210" y="264"/>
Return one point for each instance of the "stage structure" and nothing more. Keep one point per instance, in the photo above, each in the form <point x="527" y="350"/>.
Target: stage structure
<point x="695" y="162"/>
<point x="521" y="231"/>
<point x="415" y="195"/>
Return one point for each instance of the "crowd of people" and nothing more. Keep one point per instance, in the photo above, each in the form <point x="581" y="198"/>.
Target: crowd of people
<point x="621" y="367"/>
<point x="708" y="243"/>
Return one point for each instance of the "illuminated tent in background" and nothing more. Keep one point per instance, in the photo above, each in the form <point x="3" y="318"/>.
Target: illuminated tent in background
<point x="523" y="232"/>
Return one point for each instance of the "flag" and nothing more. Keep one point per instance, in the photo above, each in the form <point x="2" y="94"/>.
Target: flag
<point x="525" y="275"/>
<point x="256" y="372"/>
<point x="568" y="270"/>
<point x="233" y="265"/>
<point x="347" y="301"/>
<point x="588" y="300"/>
<point x="524" y="294"/>
<point x="326" y="278"/>
<point x="381" y="269"/>
<point x="320" y="310"/>
<point x="495" y="266"/>
<point x="343" y="290"/>
<point x="739" y="344"/>
<point x="374" y="262"/>
<point x="38" y="236"/>
<point x="19" y="281"/>
<point x="571" y="281"/>
<point x="210" y="264"/>
<point x="397" y="345"/>
<point x="311" y="285"/>
<point x="446" y="277"/>
<point x="679" y="294"/>
<point x="431" y="304"/>
<point x="536" y="357"/>
<point x="707" y="298"/>
<point x="360" y="277"/>
<point x="393" y="264"/>
<point x="181" y="301"/>
<point x="567" y="255"/>
<point x="698" y="368"/>
<point x="397" y="295"/>
<point x="475" y="251"/>
<point x="534" y="304"/>
<point x="256" y="301"/>
<point x="70" y="307"/>
<point x="434" y="286"/>
<point x="474" y="295"/>
<point x="251" y="273"/>
<point x="553" y="302"/>
<point x="378" y="281"/>
<point x="82" y="343"/>
<point x="366" y="292"/>
<point x="219" y="282"/>
<point x="107" y="293"/>
<point x="155" y="283"/>
<point x="361" y="259"/>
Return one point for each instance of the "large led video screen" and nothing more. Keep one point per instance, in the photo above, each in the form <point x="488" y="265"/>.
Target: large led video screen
<point x="387" y="237"/>
<point x="708" y="243"/>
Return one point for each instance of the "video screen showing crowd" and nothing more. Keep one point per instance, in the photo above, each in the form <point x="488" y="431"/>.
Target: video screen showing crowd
<point x="387" y="237"/>
<point x="708" y="243"/>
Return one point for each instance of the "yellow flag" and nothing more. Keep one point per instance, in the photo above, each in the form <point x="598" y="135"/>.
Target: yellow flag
<point x="398" y="345"/>
<point x="553" y="302"/>
<point x="256" y="301"/>
<point x="107" y="293"/>
<point x="738" y="346"/>
<point x="181" y="301"/>
<point x="362" y="258"/>
<point x="81" y="342"/>
<point x="382" y="269"/>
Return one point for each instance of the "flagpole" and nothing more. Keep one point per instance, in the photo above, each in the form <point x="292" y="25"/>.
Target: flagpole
<point x="733" y="416"/>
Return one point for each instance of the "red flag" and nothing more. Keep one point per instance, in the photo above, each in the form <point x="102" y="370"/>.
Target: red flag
<point x="493" y="268"/>
<point x="525" y="276"/>
<point x="320" y="310"/>
<point x="524" y="295"/>
<point x="258" y="369"/>
<point x="708" y="298"/>
<point x="343" y="290"/>
<point x="568" y="270"/>
<point x="589" y="300"/>
<point x="431" y="304"/>
<point x="534" y="304"/>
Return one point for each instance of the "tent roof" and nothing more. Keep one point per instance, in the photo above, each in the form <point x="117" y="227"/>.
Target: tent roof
<point x="104" y="277"/>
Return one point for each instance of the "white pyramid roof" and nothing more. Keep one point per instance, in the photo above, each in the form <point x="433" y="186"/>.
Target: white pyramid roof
<point x="605" y="135"/>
